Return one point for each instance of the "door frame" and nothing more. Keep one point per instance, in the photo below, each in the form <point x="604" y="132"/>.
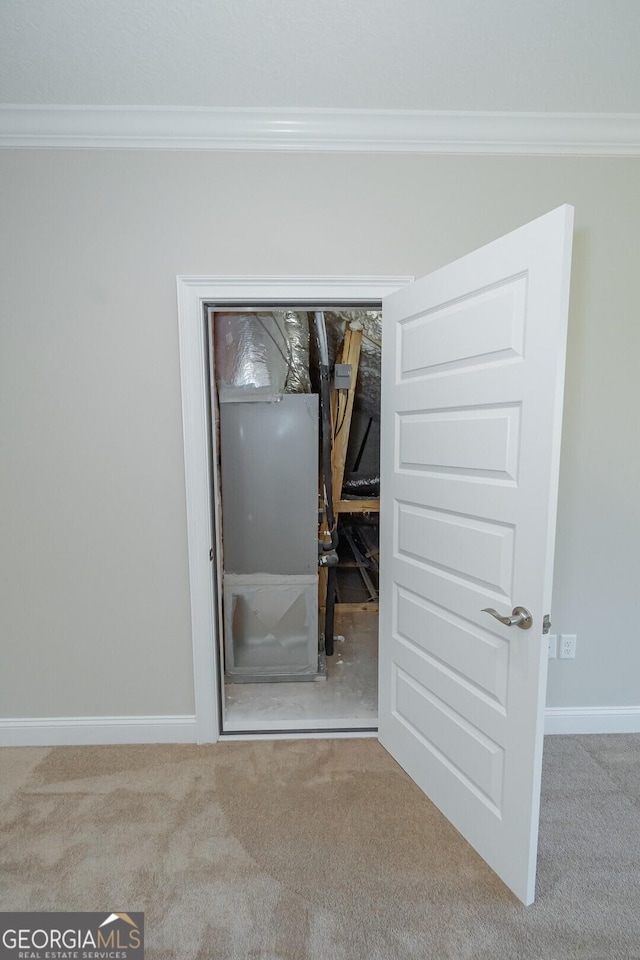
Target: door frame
<point x="195" y="295"/>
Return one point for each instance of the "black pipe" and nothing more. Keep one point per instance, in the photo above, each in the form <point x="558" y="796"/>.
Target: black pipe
<point x="330" y="609"/>
<point x="362" y="446"/>
<point x="325" y="410"/>
<point x="325" y="420"/>
<point x="325" y="407"/>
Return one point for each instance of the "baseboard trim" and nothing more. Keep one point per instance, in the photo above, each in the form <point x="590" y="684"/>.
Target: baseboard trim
<point x="84" y="731"/>
<point x="87" y="731"/>
<point x="592" y="720"/>
<point x="396" y="131"/>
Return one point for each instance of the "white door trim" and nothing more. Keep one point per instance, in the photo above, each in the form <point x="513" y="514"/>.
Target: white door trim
<point x="193" y="295"/>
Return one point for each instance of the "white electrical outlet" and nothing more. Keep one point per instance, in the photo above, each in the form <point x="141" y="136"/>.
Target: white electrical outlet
<point x="567" y="646"/>
<point x="553" y="646"/>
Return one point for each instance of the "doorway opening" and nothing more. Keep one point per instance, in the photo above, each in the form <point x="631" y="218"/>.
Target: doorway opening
<point x="473" y="370"/>
<point x="295" y="442"/>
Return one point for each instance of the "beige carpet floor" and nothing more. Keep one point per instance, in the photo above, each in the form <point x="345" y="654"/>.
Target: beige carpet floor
<point x="316" y="850"/>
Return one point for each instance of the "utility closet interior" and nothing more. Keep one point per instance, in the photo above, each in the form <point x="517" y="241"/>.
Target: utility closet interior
<point x="296" y="484"/>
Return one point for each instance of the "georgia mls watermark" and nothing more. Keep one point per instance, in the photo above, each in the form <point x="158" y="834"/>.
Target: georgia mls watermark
<point x="71" y="936"/>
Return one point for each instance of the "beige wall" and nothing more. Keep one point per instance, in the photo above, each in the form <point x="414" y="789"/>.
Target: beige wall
<point x="94" y="580"/>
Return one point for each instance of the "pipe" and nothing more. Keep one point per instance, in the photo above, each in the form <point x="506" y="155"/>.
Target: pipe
<point x="325" y="409"/>
<point x="329" y="612"/>
<point x="362" y="446"/>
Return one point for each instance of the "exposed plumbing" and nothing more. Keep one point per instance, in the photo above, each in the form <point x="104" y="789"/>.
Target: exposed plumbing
<point x="327" y="551"/>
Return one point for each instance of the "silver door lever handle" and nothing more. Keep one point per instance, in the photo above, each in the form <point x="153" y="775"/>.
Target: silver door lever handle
<point x="520" y="617"/>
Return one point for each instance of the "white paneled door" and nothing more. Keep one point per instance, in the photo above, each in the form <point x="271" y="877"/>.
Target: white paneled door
<point x="473" y="371"/>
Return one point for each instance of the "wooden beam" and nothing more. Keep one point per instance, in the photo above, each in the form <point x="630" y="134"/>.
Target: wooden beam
<point x="322" y="588"/>
<point x="356" y="607"/>
<point x="358" y="506"/>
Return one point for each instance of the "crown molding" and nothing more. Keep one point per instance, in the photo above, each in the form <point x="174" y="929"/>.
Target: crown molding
<point x="395" y="131"/>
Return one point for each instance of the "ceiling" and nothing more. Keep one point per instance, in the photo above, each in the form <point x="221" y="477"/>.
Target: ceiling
<point x="558" y="56"/>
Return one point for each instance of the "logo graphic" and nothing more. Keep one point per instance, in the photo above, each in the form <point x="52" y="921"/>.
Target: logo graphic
<point x="119" y="916"/>
<point x="71" y="936"/>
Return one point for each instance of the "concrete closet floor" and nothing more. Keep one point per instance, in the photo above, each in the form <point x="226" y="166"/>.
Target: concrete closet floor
<point x="348" y="697"/>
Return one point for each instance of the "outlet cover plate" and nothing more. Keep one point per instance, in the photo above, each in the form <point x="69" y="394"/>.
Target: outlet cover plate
<point x="567" y="646"/>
